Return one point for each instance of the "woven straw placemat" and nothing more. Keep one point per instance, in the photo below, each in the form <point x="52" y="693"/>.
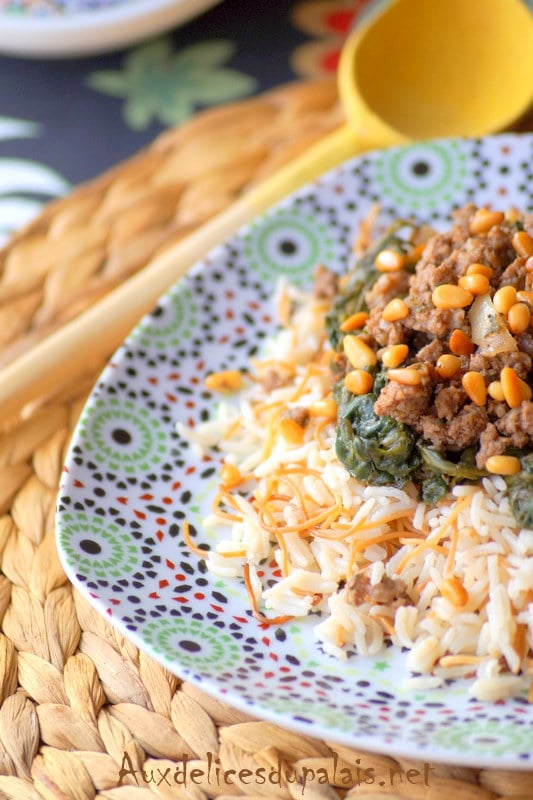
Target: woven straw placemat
<point x="81" y="709"/>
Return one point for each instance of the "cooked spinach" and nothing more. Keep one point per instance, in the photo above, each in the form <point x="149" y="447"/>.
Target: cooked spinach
<point x="382" y="451"/>
<point x="360" y="280"/>
<point x="376" y="449"/>
<point x="520" y="492"/>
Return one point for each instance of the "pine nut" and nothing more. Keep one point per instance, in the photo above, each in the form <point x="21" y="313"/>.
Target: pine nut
<point x="453" y="590"/>
<point x="523" y="244"/>
<point x="484" y="219"/>
<point x="229" y="380"/>
<point x="358" y="381"/>
<point x="354" y="321"/>
<point x="323" y="408"/>
<point x="512" y="391"/>
<point x="408" y="376"/>
<point x="476" y="284"/>
<point x="230" y="475"/>
<point x="394" y="310"/>
<point x="526" y="390"/>
<point x="292" y="431"/>
<point x="389" y="261"/>
<point x="518" y="318"/>
<point x="525" y="297"/>
<point x="480" y="269"/>
<point x="461" y="344"/>
<point x="359" y="354"/>
<point x="447" y="365"/>
<point x="504" y="298"/>
<point x="393" y="355"/>
<point x="503" y="465"/>
<point x="474" y="385"/>
<point x="495" y="390"/>
<point x="449" y="295"/>
<point x="414" y="255"/>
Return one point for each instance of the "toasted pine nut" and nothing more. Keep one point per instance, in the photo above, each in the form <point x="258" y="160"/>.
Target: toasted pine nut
<point x="230" y="475"/>
<point x="354" y="321"/>
<point x="358" y="352"/>
<point x="484" y="219"/>
<point x="474" y="385"/>
<point x="503" y="465"/>
<point x="396" y="309"/>
<point x="389" y="261"/>
<point x="512" y="214"/>
<point x="504" y="298"/>
<point x="292" y="431"/>
<point x="495" y="390"/>
<point x="408" y="376"/>
<point x="518" y="318"/>
<point x="393" y="355"/>
<point x="480" y="269"/>
<point x="449" y="295"/>
<point x="323" y="408"/>
<point x="476" y="284"/>
<point x="512" y="391"/>
<point x="229" y="380"/>
<point x="526" y="390"/>
<point x="453" y="590"/>
<point x="413" y="255"/>
<point x="447" y="365"/>
<point x="460" y="343"/>
<point x="525" y="297"/>
<point x="358" y="381"/>
<point x="523" y="244"/>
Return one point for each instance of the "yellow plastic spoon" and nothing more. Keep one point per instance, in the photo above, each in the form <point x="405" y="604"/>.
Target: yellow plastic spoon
<point x="416" y="69"/>
<point x="420" y="69"/>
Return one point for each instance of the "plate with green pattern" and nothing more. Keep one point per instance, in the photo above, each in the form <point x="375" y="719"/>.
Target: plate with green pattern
<point x="131" y="481"/>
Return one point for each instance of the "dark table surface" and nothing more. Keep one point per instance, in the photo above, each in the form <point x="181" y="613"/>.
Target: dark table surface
<point x="66" y="120"/>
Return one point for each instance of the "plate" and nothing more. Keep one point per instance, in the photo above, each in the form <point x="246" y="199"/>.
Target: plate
<point x="130" y="480"/>
<point x="69" y="28"/>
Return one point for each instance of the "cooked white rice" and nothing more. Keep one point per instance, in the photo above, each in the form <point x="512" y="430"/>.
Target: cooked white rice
<point x="471" y="537"/>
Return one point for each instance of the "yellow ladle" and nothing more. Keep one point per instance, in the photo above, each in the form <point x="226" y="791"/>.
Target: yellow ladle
<point x="420" y="69"/>
<point x="415" y="69"/>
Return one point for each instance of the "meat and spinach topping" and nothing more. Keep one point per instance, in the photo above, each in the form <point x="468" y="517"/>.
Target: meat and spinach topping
<point x="434" y="343"/>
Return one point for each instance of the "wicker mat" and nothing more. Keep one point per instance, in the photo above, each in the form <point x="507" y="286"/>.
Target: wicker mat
<point x="80" y="708"/>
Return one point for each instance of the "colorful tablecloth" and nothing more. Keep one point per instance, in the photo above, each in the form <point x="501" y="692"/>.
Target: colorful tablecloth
<point x="63" y="121"/>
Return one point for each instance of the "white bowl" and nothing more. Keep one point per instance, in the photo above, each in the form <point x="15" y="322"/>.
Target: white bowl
<point x="71" y="33"/>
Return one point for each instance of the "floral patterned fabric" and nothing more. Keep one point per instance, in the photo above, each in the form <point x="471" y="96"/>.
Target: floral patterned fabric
<point x="63" y="121"/>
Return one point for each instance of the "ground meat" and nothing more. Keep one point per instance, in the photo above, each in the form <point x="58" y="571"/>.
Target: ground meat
<point x="490" y="444"/>
<point x="387" y="287"/>
<point x="272" y="379"/>
<point x="449" y="400"/>
<point x="431" y="351"/>
<point x="326" y="283"/>
<point x="461" y="432"/>
<point x="517" y="424"/>
<point x="387" y="592"/>
<point x="491" y="366"/>
<point x="299" y="414"/>
<point x="515" y="274"/>
<point x="385" y="333"/>
<point x="338" y="366"/>
<point x="465" y="429"/>
<point x="406" y="403"/>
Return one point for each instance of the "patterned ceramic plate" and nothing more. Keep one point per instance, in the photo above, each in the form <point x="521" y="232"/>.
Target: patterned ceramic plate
<point x="130" y="480"/>
<point x="81" y="27"/>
